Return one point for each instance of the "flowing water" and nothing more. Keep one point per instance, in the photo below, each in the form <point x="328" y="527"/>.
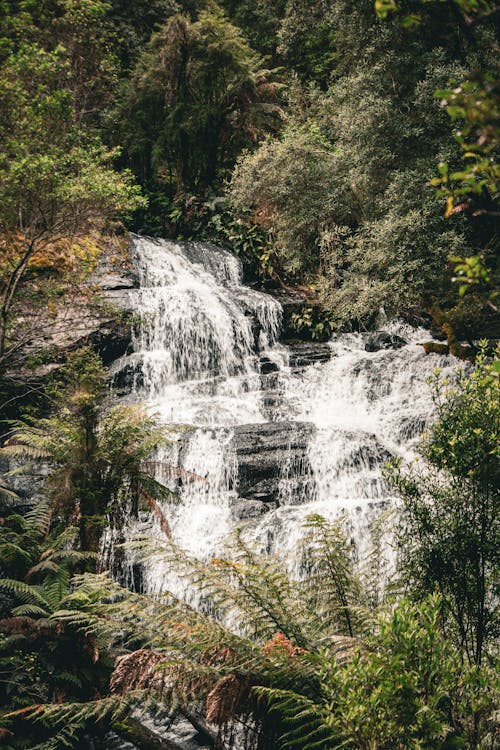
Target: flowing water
<point x="259" y="438"/>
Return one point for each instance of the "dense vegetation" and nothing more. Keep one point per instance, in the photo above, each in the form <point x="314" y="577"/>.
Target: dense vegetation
<point x="346" y="148"/>
<point x="304" y="134"/>
<point x="338" y="659"/>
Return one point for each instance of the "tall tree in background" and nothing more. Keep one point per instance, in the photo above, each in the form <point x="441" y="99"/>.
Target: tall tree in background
<point x="196" y="97"/>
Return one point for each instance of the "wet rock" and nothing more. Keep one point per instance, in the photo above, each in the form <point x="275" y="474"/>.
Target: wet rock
<point x="304" y="353"/>
<point x="364" y="452"/>
<point x="267" y="366"/>
<point x="265" y="452"/>
<point x="97" y="315"/>
<point x="383" y="340"/>
<point x="244" y="510"/>
<point x="128" y="376"/>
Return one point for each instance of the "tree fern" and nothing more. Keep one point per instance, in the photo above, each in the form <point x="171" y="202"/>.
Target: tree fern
<point x="332" y="582"/>
<point x="306" y="721"/>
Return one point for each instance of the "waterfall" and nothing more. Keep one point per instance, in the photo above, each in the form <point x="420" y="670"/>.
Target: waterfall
<point x="264" y="437"/>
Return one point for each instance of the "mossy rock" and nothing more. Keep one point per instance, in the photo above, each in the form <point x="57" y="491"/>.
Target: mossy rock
<point x="434" y="347"/>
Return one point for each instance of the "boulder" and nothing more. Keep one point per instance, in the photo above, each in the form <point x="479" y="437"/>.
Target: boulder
<point x="303" y="354"/>
<point x="244" y="510"/>
<point x="383" y="340"/>
<point x="267" y="366"/>
<point x="265" y="452"/>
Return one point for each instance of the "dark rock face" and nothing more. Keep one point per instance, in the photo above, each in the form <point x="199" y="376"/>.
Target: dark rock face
<point x="244" y="510"/>
<point x="102" y="323"/>
<point x="265" y="452"/>
<point x="129" y="375"/>
<point x="304" y="354"/>
<point x="267" y="366"/>
<point x="365" y="451"/>
<point x="383" y="340"/>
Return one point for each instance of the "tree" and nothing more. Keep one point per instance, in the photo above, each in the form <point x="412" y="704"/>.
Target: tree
<point x="95" y="456"/>
<point x="57" y="179"/>
<point x="472" y="186"/>
<point x="359" y="222"/>
<point x="196" y="97"/>
<point x="450" y="532"/>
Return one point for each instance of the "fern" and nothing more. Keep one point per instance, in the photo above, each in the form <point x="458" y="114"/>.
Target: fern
<point x="7" y="496"/>
<point x="29" y="610"/>
<point x="333" y="588"/>
<point x="307" y="720"/>
<point x="25" y="592"/>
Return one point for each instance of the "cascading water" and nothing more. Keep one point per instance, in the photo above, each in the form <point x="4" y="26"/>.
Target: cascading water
<point x="266" y="442"/>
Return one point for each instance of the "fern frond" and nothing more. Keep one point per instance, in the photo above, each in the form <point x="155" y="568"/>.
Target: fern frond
<point x="296" y="709"/>
<point x="254" y="590"/>
<point x="10" y="551"/>
<point x="40" y="516"/>
<point x="73" y="715"/>
<point x="377" y="567"/>
<point x="332" y="586"/>
<point x="70" y="678"/>
<point x="56" y="587"/>
<point x="22" y="450"/>
<point x="30" y="610"/>
<point x="7" y="496"/>
<point x="28" y="594"/>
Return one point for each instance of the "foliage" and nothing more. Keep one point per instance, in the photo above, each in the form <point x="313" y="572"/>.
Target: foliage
<point x="57" y="180"/>
<point x="472" y="105"/>
<point x="95" y="460"/>
<point x="213" y="221"/>
<point x="335" y="151"/>
<point x="168" y="653"/>
<point x="404" y="688"/>
<point x="449" y="537"/>
<point x="259" y="21"/>
<point x="343" y="191"/>
<point x="313" y="322"/>
<point x="196" y="97"/>
<point x="286" y="185"/>
<point x="307" y="40"/>
<point x="285" y="673"/>
<point x="383" y="135"/>
<point x="42" y="659"/>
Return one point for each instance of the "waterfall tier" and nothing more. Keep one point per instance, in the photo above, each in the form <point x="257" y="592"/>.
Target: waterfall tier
<point x="275" y="432"/>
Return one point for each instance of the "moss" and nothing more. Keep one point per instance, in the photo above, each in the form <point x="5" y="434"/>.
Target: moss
<point x="433" y="347"/>
<point x="456" y="348"/>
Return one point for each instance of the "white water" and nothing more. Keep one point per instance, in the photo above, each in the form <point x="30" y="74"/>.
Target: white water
<point x="196" y="363"/>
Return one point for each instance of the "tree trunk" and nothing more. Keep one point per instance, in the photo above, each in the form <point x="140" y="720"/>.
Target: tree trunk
<point x="9" y="294"/>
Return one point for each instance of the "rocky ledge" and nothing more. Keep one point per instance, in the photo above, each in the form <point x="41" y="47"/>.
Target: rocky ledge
<point x="383" y="340"/>
<point x="305" y="353"/>
<point x="267" y="454"/>
<point x="97" y="314"/>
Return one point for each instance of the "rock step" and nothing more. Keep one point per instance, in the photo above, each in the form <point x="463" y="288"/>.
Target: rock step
<point x="263" y="450"/>
<point x="303" y="354"/>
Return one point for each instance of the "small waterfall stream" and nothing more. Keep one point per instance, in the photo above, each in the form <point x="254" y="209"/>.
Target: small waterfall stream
<point x="271" y="438"/>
